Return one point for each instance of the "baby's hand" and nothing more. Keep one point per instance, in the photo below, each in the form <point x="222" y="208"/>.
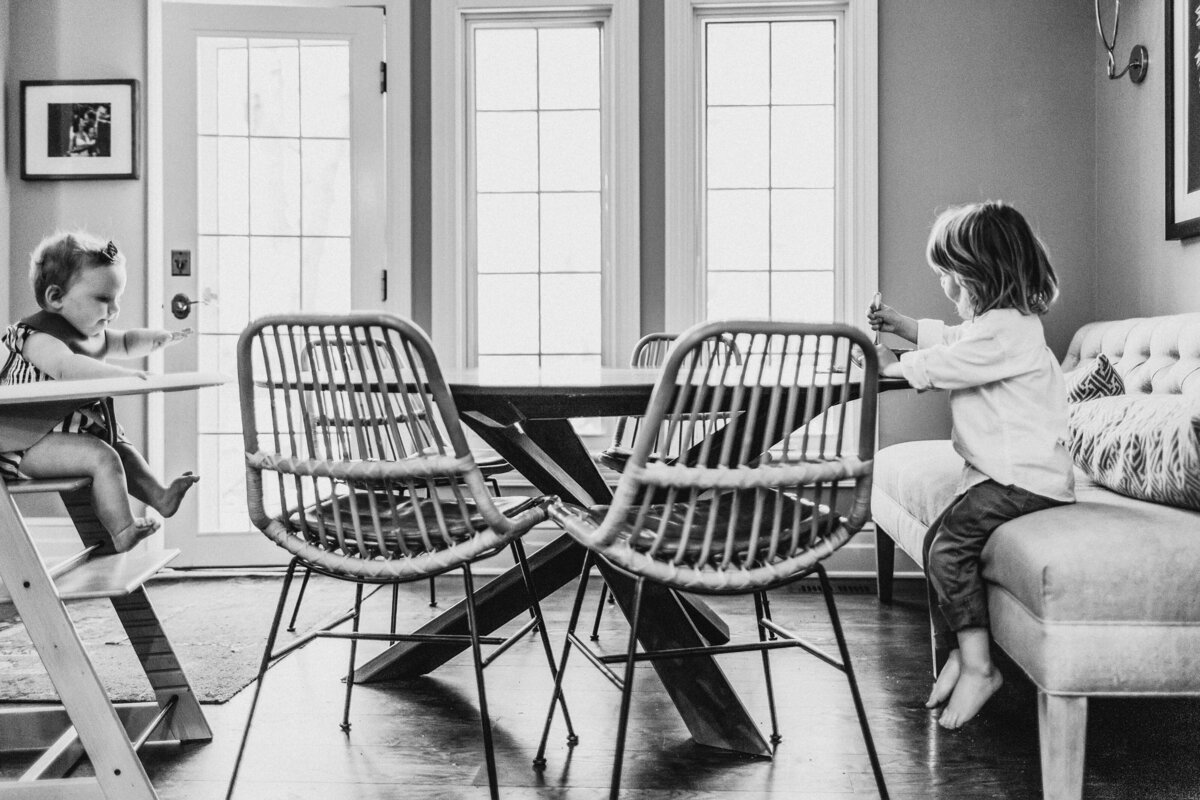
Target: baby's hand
<point x="165" y="338"/>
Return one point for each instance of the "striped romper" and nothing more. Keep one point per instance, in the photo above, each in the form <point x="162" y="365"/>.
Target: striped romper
<point x="91" y="419"/>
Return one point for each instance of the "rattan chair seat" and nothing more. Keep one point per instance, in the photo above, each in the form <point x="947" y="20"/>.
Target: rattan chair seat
<point x="414" y="527"/>
<point x="661" y="529"/>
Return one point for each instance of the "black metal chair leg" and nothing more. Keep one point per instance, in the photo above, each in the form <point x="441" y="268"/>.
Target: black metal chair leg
<point x="395" y="605"/>
<point x="763" y="611"/>
<point x="539" y="760"/>
<point x="827" y="590"/>
<point x="489" y="749"/>
<point x="535" y="609"/>
<point x="291" y="628"/>
<point x="262" y="671"/>
<point x="626" y="690"/>
<point x="358" y="596"/>
<point x="433" y="592"/>
<point x="595" y="637"/>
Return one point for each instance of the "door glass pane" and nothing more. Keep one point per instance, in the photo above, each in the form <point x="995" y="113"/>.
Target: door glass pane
<point x="274" y="207"/>
<point x="325" y="187"/>
<point x="325" y="271"/>
<point x="325" y="89"/>
<point x="274" y="186"/>
<point x="538" y="228"/>
<point x="274" y="87"/>
<point x="222" y="102"/>
<point x="771" y="168"/>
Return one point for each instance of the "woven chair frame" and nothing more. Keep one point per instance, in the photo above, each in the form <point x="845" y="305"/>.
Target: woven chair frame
<point x="791" y="377"/>
<point x="651" y="351"/>
<point x="347" y="422"/>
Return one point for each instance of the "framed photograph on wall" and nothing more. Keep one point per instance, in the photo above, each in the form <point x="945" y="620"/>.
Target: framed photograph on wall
<point x="1183" y="120"/>
<point x="79" y="130"/>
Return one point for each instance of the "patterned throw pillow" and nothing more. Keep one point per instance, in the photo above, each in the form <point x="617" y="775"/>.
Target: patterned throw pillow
<point x="1144" y="446"/>
<point x="1098" y="380"/>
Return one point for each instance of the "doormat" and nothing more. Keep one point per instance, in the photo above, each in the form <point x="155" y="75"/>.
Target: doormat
<point x="217" y="628"/>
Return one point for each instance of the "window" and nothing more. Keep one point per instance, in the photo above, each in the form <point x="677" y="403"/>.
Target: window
<point x="771" y="173"/>
<point x="535" y="208"/>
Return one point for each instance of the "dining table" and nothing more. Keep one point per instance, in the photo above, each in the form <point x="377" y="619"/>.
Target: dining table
<point x="87" y="722"/>
<point x="526" y="415"/>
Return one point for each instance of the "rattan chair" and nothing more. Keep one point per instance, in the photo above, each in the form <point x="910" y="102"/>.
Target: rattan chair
<point x="357" y="464"/>
<point x="730" y="519"/>
<point x="326" y="352"/>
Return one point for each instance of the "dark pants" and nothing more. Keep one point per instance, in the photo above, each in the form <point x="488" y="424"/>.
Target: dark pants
<point x="952" y="550"/>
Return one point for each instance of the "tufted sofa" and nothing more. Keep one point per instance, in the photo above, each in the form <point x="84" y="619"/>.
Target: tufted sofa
<point x="1096" y="599"/>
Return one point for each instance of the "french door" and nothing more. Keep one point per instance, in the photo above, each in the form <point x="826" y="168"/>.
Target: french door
<point x="273" y="127"/>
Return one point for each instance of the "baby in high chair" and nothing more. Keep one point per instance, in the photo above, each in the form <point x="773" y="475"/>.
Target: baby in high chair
<point x="78" y="281"/>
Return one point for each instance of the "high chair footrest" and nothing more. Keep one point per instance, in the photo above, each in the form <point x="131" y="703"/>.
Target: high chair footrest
<point x="47" y="485"/>
<point x="113" y="575"/>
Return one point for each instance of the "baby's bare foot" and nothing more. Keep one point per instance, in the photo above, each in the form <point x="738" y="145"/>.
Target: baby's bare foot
<point x="972" y="690"/>
<point x="945" y="680"/>
<point x="139" y="529"/>
<point x="172" y="496"/>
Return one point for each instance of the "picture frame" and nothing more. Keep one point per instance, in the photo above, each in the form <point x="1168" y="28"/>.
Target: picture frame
<point x="79" y="130"/>
<point x="1182" y="38"/>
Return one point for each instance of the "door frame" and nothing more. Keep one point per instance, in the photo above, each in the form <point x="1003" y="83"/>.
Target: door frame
<point x="398" y="154"/>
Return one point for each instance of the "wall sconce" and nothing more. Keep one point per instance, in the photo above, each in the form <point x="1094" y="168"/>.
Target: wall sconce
<point x="1139" y="56"/>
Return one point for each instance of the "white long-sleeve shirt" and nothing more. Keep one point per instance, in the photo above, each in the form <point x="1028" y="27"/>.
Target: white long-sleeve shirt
<point x="1008" y="399"/>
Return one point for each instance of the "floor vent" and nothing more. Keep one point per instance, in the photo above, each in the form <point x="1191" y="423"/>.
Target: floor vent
<point x="840" y="586"/>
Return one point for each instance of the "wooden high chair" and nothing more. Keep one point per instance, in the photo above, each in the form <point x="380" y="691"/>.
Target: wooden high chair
<point x="87" y="723"/>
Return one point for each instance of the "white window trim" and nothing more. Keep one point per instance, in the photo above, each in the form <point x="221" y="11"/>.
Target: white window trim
<point x="859" y="237"/>
<point x="452" y="328"/>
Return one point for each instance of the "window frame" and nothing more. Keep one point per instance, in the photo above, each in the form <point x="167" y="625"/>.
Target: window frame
<point x="452" y="186"/>
<point x="857" y="264"/>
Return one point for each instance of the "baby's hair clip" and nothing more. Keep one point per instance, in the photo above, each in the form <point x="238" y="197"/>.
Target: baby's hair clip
<point x="110" y="251"/>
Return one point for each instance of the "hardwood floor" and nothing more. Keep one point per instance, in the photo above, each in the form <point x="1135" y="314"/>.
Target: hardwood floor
<point x="421" y="739"/>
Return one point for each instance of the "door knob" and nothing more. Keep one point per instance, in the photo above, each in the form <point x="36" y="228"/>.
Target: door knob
<point x="181" y="305"/>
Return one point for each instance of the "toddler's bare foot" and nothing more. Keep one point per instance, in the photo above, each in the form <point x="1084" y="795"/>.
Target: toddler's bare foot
<point x="139" y="529"/>
<point x="945" y="680"/>
<point x="972" y="690"/>
<point x="172" y="496"/>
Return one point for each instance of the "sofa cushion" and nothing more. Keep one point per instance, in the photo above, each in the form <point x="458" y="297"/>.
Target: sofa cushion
<point x="1091" y="560"/>
<point x="1099" y="379"/>
<point x="1147" y="447"/>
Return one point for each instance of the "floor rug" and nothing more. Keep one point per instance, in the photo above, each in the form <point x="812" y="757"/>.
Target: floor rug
<point x="217" y="627"/>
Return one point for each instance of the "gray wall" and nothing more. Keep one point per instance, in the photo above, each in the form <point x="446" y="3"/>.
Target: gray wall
<point x="983" y="99"/>
<point x="1138" y="272"/>
<point x="61" y="40"/>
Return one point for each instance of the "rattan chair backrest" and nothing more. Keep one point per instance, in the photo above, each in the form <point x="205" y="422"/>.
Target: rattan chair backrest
<point x="742" y="509"/>
<point x="651" y="351"/>
<point x="356" y="459"/>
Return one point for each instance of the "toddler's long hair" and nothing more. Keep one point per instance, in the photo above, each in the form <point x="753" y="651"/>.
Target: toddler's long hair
<point x="60" y="257"/>
<point x="996" y="255"/>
